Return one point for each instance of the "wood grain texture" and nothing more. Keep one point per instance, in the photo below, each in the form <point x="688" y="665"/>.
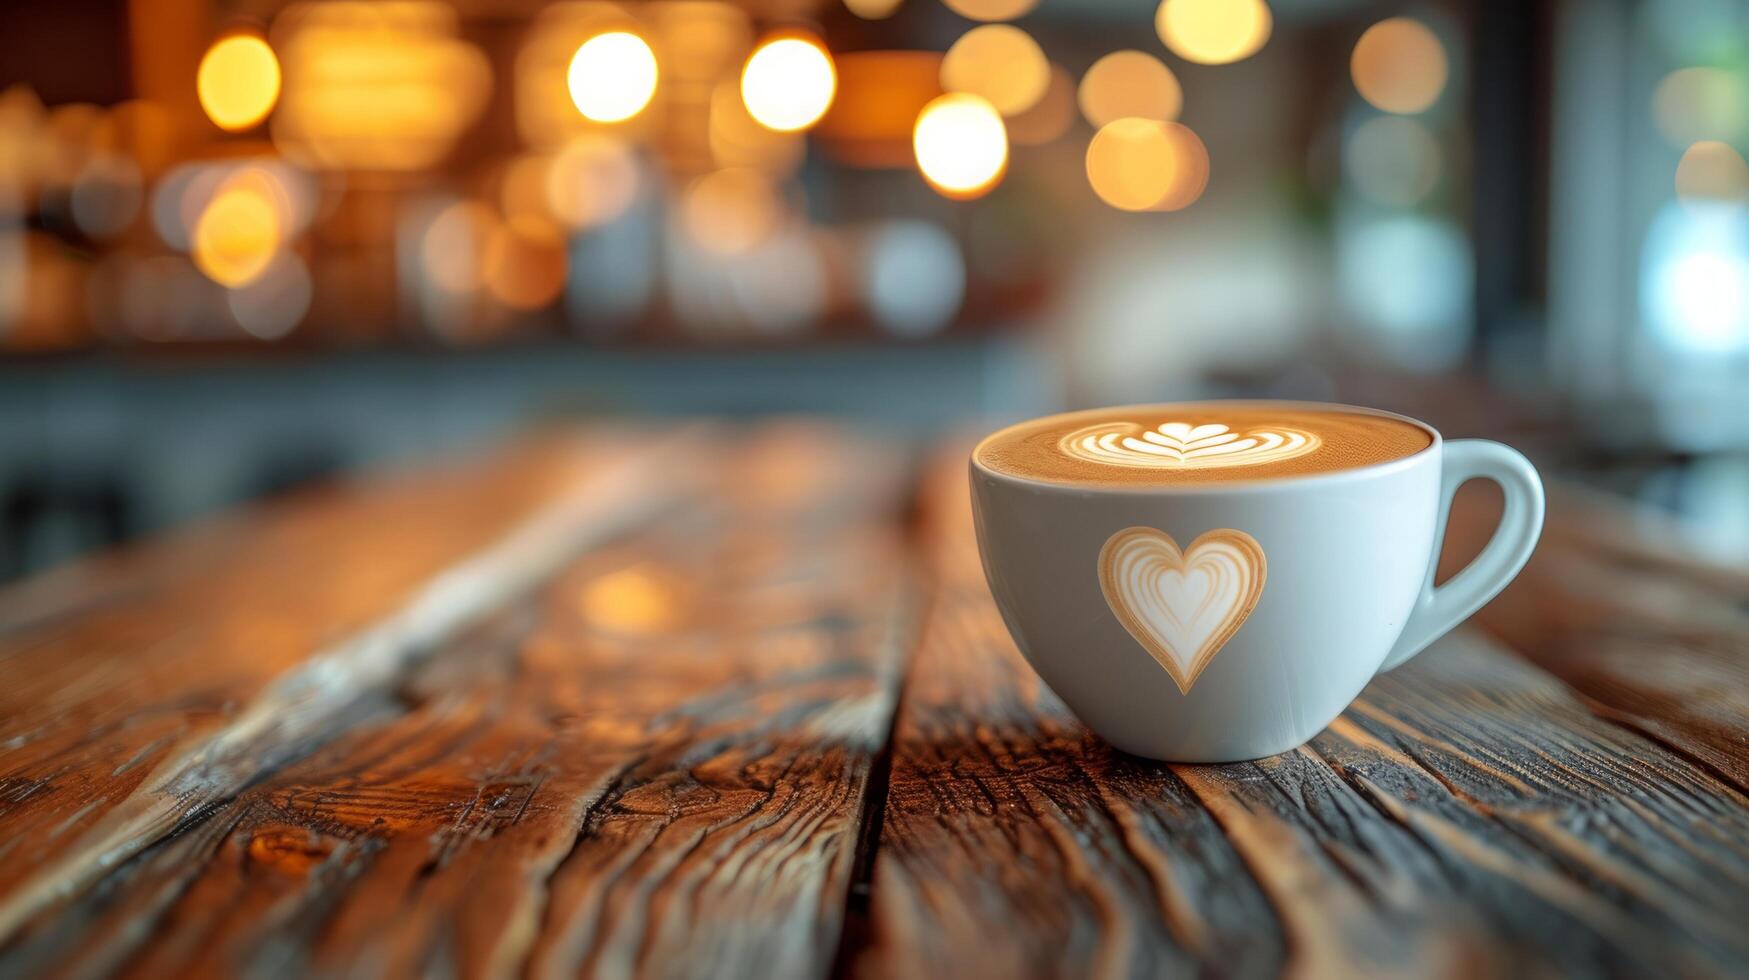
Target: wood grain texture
<point x="1470" y="814"/>
<point x="80" y="812"/>
<point x="1612" y="604"/>
<point x="547" y="716"/>
<point x="654" y="764"/>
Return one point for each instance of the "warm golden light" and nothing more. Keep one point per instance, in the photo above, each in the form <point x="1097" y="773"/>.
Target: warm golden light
<point x="635" y="601"/>
<point x="1129" y="163"/>
<point x="1213" y="32"/>
<point x="1129" y="84"/>
<point x="1399" y="66"/>
<point x="238" y="82"/>
<point x="1712" y="170"/>
<point x="788" y="83"/>
<point x="961" y="145"/>
<point x="546" y="115"/>
<point x="1050" y="117"/>
<point x="990" y="9"/>
<point x="1146" y="165"/>
<point x="238" y="232"/>
<point x="385" y="85"/>
<point x="1001" y="64"/>
<point x="184" y="193"/>
<point x="1190" y="168"/>
<point x="612" y="76"/>
<point x="730" y="211"/>
<point x="592" y="181"/>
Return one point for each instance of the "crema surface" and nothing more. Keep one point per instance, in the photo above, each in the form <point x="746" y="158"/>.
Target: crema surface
<point x="1197" y="443"/>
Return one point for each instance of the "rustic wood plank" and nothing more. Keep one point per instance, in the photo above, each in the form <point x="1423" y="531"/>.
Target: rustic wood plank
<point x="1654" y="638"/>
<point x="220" y="656"/>
<point x="1469" y="814"/>
<point x="653" y="765"/>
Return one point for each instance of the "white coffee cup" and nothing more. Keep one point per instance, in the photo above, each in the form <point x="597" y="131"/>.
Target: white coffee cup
<point x="1078" y="571"/>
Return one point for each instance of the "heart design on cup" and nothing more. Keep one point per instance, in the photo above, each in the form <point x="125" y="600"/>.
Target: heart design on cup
<point x="1182" y="605"/>
<point x="1181" y="445"/>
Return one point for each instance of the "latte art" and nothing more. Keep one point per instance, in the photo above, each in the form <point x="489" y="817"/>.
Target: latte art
<point x="1182" y="605"/>
<point x="1199" y="444"/>
<point x="1181" y="445"/>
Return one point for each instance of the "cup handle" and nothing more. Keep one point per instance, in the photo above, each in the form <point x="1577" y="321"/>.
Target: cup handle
<point x="1437" y="610"/>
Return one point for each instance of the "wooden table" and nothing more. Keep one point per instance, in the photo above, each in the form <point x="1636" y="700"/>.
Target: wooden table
<point x="735" y="702"/>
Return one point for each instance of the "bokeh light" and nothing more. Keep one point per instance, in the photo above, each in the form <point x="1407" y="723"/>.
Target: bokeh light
<point x="612" y="76"/>
<point x="1695" y="104"/>
<point x="523" y="264"/>
<point x="1050" y="117"/>
<point x="591" y="181"/>
<point x="1146" y="165"/>
<point x="1694" y="277"/>
<point x="872" y="9"/>
<point x="269" y="306"/>
<point x="452" y="246"/>
<point x="1190" y="168"/>
<point x="375" y="86"/>
<point x="239" y="231"/>
<point x="915" y="278"/>
<point x="106" y="195"/>
<point x="184" y="193"/>
<point x="1000" y="63"/>
<point x="636" y="601"/>
<point x="788" y="83"/>
<point x="730" y="211"/>
<point x="1213" y="32"/>
<point x="961" y="145"/>
<point x="990" y="9"/>
<point x="1392" y="160"/>
<point x="1129" y="163"/>
<point x="238" y="82"/>
<point x="1129" y="84"/>
<point x="1399" y="66"/>
<point x="1712" y="171"/>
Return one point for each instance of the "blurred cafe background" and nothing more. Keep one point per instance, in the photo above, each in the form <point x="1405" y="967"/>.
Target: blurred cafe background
<point x="250" y="244"/>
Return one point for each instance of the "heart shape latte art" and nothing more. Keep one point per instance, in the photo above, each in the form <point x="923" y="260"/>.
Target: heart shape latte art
<point x="1180" y="445"/>
<point x="1182" y="606"/>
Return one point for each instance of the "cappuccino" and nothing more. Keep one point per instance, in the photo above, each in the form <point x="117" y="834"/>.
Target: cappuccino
<point x="1198" y="443"/>
<point x="1217" y="581"/>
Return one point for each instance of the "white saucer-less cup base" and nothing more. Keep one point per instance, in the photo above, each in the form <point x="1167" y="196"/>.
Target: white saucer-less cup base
<point x="1348" y="592"/>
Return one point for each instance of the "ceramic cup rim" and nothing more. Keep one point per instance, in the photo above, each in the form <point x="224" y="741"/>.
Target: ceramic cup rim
<point x="1242" y="486"/>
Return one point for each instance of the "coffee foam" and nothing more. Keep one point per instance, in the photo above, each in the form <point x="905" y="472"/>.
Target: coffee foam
<point x="1198" y="443"/>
